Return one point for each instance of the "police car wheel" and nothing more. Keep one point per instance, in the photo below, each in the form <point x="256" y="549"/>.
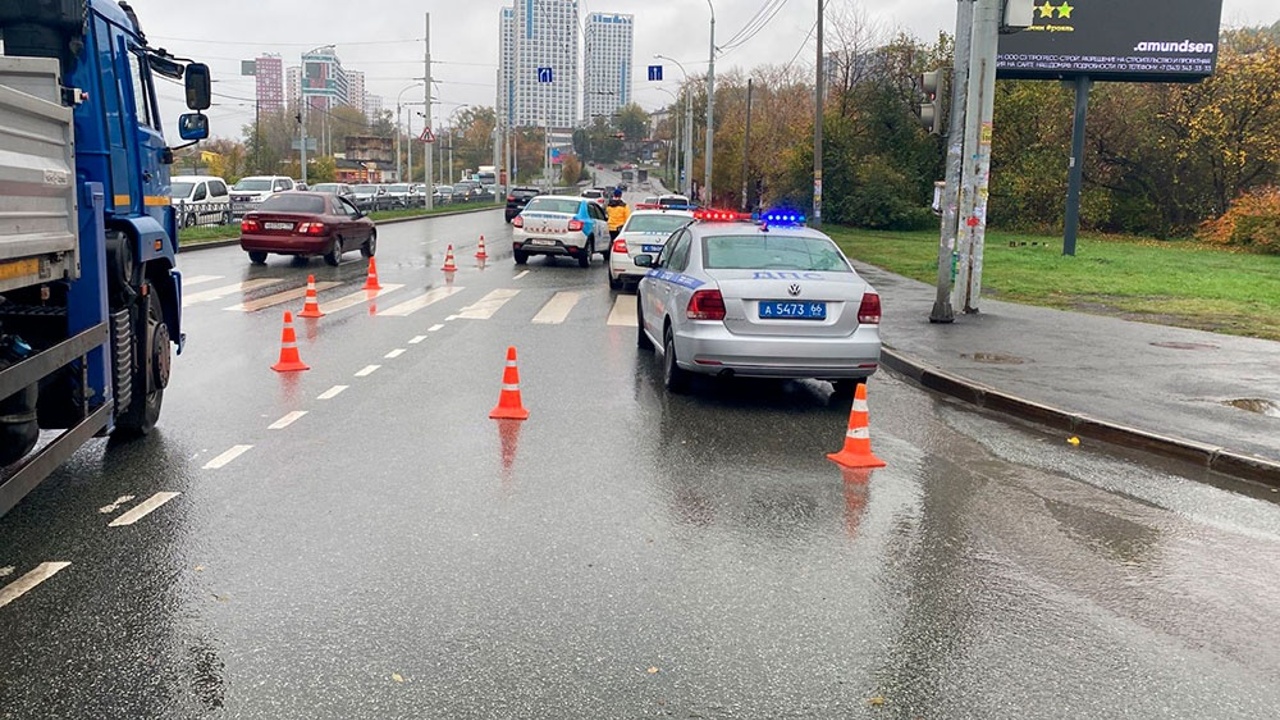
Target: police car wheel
<point x="673" y="376"/>
<point x="642" y="339"/>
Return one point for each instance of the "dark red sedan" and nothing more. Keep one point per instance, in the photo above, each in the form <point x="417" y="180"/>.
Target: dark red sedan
<point x="305" y="224"/>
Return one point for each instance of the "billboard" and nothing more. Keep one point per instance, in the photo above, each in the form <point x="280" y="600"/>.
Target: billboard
<point x="1132" y="40"/>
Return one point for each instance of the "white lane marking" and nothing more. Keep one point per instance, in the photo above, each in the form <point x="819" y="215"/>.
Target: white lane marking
<point x="7" y="570"/>
<point x="624" y="312"/>
<point x="394" y="354"/>
<point x="368" y="370"/>
<point x="488" y="305"/>
<point x="199" y="279"/>
<point x="26" y="583"/>
<point x="287" y="420"/>
<point x="412" y="306"/>
<point x="332" y="392"/>
<point x="557" y="308"/>
<point x="356" y="298"/>
<point x="278" y="298"/>
<point x="226" y="457"/>
<point x="520" y="275"/>
<point x="417" y="339"/>
<point x="220" y="292"/>
<point x="143" y="509"/>
<point x="435" y="327"/>
<point x="108" y="509"/>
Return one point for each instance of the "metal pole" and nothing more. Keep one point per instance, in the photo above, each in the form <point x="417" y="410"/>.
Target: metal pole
<point x="711" y="103"/>
<point x="688" y="142"/>
<point x="942" y="310"/>
<point x="426" y="96"/>
<point x="816" y="220"/>
<point x="746" y="151"/>
<point x="302" y="113"/>
<point x="979" y="109"/>
<point x="1076" y="173"/>
<point x="408" y="141"/>
<point x="399" y="169"/>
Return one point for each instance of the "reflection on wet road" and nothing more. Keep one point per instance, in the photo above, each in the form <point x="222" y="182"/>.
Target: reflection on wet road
<point x="393" y="552"/>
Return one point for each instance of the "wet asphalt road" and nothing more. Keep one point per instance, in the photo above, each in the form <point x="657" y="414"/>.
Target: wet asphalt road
<point x="393" y="553"/>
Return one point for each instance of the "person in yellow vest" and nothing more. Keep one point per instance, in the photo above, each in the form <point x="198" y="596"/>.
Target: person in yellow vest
<point x="618" y="213"/>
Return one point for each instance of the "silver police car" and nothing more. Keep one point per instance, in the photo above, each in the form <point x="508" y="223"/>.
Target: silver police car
<point x="731" y="297"/>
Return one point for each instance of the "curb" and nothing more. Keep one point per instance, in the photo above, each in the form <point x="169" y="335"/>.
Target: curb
<point x="236" y="241"/>
<point x="1212" y="457"/>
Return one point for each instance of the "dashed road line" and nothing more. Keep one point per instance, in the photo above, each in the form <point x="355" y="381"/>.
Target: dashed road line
<point x="394" y="354"/>
<point x="356" y="298"/>
<point x="199" y="280"/>
<point x="332" y="392"/>
<point x="485" y="307"/>
<point x="143" y="509"/>
<point x="623" y="313"/>
<point x="287" y="420"/>
<point x="226" y="457"/>
<point x="412" y="306"/>
<point x="368" y="370"/>
<point x="28" y="582"/>
<point x="435" y="327"/>
<point x="108" y="509"/>
<point x="520" y="275"/>
<point x="220" y="292"/>
<point x="556" y="309"/>
<point x="417" y="339"/>
<point x="278" y="298"/>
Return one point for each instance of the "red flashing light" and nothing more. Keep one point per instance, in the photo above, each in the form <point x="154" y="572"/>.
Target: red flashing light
<point x="869" y="310"/>
<point x="517" y="221"/>
<point x="719" y="216"/>
<point x="706" y="305"/>
<point x="620" y="246"/>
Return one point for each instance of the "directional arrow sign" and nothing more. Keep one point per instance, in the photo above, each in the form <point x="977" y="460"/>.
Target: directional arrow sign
<point x="544" y="75"/>
<point x="655" y="73"/>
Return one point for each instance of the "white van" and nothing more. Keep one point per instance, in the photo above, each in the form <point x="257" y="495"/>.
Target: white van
<point x="200" y="200"/>
<point x="247" y="194"/>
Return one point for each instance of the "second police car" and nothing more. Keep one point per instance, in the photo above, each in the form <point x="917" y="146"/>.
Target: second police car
<point x="562" y="225"/>
<point x="731" y="297"/>
<point x="644" y="232"/>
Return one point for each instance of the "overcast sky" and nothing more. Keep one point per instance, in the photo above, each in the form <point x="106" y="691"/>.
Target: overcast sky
<point x="383" y="38"/>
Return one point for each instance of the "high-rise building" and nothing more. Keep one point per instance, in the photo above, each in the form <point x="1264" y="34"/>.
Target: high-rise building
<point x="292" y="85"/>
<point x="324" y="82"/>
<point x="269" y="79"/>
<point x="372" y="106"/>
<point x="355" y="89"/>
<point x="606" y="64"/>
<point x="506" y="66"/>
<point x="543" y="60"/>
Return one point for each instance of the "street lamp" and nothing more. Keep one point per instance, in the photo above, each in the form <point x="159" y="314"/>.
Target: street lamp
<point x="399" y="172"/>
<point x="688" y="128"/>
<point x="673" y="162"/>
<point x="711" y="103"/>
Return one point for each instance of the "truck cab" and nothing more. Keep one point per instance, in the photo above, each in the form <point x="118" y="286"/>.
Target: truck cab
<point x="90" y="298"/>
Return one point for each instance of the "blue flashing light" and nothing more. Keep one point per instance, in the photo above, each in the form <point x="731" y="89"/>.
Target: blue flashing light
<point x="783" y="217"/>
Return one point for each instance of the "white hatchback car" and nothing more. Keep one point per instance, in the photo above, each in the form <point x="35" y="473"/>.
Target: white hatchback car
<point x="563" y="225"/>
<point x="646" y="231"/>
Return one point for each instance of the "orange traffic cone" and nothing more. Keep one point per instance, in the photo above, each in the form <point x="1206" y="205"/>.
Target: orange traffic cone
<point x="481" y="254"/>
<point x="857" y="440"/>
<point x="289" y="360"/>
<point x="509" y="405"/>
<point x="311" y="307"/>
<point x="371" y="283"/>
<point x="449" y="265"/>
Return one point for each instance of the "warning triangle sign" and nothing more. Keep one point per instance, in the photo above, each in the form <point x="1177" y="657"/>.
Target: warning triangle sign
<point x="427" y="136"/>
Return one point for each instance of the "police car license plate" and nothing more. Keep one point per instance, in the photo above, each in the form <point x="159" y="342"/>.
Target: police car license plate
<point x="789" y="310"/>
<point x="651" y="248"/>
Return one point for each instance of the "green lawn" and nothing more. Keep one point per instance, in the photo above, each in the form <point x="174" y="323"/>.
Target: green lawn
<point x="200" y="235"/>
<point x="1174" y="283"/>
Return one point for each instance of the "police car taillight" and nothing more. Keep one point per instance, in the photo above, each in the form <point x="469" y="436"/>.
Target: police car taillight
<point x="869" y="310"/>
<point x="620" y="246"/>
<point x="706" y="305"/>
<point x="517" y="221"/>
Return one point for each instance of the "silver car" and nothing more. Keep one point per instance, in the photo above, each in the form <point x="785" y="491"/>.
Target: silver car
<point x="733" y="298"/>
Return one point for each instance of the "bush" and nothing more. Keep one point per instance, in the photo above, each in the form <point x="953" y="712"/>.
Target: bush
<point x="1252" y="222"/>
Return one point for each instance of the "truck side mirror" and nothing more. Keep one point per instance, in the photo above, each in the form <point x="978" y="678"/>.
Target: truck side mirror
<point x="193" y="126"/>
<point x="199" y="92"/>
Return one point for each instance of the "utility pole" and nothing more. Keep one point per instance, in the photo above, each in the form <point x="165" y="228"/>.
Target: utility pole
<point x="711" y="104"/>
<point x="979" y="109"/>
<point x="399" y="170"/>
<point x="426" y="97"/>
<point x="942" y="310"/>
<point x="746" y="151"/>
<point x="816" y="220"/>
<point x="1076" y="170"/>
<point x="409" y="147"/>
<point x="302" y="118"/>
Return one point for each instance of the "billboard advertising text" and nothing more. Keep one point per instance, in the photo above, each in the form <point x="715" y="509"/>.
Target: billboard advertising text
<point x="1142" y="40"/>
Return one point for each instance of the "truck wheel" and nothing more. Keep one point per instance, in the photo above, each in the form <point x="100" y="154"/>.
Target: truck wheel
<point x="148" y="388"/>
<point x="334" y="256"/>
<point x="257" y="257"/>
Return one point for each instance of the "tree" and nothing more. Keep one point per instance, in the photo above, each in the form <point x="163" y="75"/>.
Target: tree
<point x="570" y="170"/>
<point x="633" y="122"/>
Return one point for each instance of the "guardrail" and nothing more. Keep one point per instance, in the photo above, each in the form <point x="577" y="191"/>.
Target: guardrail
<point x="202" y="214"/>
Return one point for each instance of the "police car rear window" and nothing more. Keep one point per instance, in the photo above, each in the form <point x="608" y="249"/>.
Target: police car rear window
<point x="569" y="207"/>
<point x="771" y="252"/>
<point x="657" y="223"/>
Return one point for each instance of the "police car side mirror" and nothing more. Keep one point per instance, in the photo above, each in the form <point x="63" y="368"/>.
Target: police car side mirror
<point x="643" y="261"/>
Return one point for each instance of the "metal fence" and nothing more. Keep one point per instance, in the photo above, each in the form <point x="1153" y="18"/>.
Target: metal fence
<point x="201" y="214"/>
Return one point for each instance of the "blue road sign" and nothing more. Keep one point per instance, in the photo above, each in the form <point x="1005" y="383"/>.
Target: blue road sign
<point x="655" y="73"/>
<point x="544" y="75"/>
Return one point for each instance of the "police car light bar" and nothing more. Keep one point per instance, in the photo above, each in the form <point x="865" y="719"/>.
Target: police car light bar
<point x="719" y="216"/>
<point x="783" y="217"/>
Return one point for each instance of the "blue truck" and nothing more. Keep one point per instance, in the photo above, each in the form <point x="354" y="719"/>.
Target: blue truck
<point x="90" y="296"/>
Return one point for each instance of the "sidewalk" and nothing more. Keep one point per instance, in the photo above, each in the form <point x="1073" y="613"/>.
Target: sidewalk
<point x="1153" y="387"/>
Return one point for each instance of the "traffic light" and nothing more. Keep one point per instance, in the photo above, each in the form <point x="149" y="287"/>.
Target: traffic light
<point x="934" y="110"/>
